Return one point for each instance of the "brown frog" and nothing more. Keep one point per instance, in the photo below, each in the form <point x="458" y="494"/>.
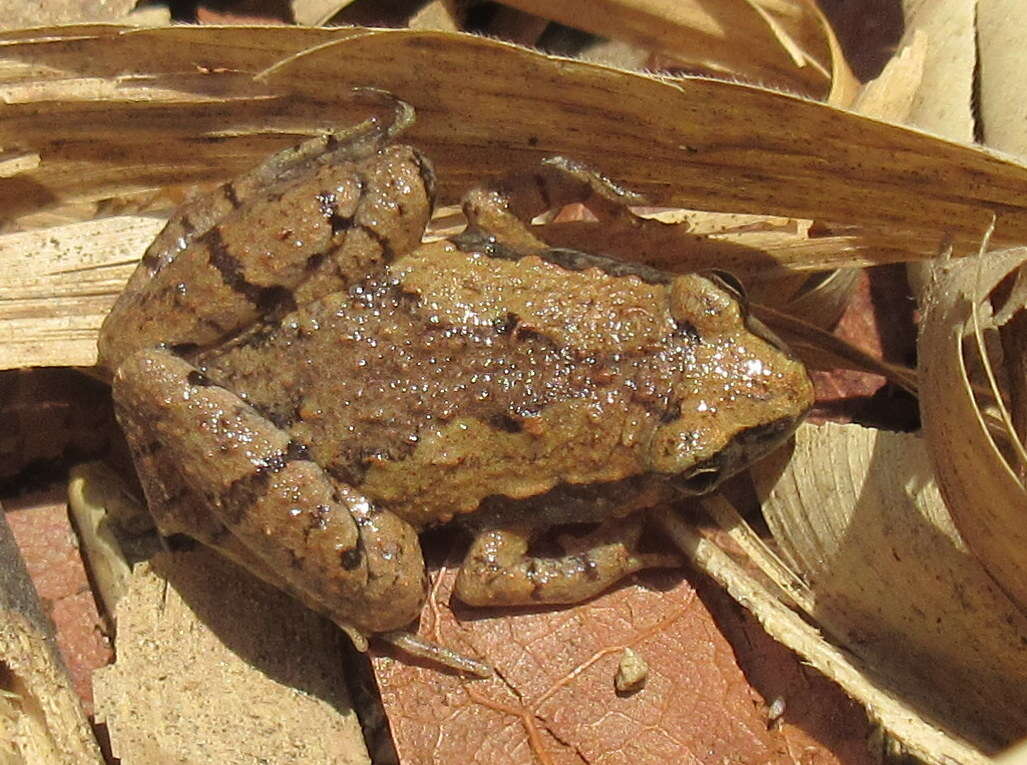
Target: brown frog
<point x="306" y="386"/>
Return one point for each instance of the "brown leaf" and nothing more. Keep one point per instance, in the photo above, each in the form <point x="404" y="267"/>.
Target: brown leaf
<point x="47" y="542"/>
<point x="554" y="699"/>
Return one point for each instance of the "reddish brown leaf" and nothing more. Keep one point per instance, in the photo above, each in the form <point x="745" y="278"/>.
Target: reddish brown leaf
<point x="554" y="701"/>
<point x="879" y="320"/>
<point x="44" y="535"/>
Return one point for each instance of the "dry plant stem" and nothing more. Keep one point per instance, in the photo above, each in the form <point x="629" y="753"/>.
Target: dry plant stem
<point x="921" y="740"/>
<point x="728" y="518"/>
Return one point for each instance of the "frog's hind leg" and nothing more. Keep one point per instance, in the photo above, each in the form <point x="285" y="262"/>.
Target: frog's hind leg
<point x="499" y="571"/>
<point x="342" y="556"/>
<point x="310" y="221"/>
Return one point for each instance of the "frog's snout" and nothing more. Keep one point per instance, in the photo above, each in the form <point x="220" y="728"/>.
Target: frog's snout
<point x="698" y="474"/>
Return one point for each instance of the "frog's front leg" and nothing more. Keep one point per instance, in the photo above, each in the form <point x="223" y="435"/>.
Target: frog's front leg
<point x="507" y="207"/>
<point x="343" y="556"/>
<point x="499" y="571"/>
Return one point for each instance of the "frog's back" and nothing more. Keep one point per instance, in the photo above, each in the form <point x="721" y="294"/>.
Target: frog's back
<point x="464" y="373"/>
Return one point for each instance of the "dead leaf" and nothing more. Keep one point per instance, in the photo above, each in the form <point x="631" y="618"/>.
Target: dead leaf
<point x="858" y="516"/>
<point x="946" y="30"/>
<point x="1003" y="62"/>
<point x="897" y="718"/>
<point x="786" y="41"/>
<point x="554" y="699"/>
<point x="979" y="480"/>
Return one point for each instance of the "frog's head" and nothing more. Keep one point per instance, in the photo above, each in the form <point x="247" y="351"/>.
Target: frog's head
<point x="743" y="397"/>
<point x="692" y="471"/>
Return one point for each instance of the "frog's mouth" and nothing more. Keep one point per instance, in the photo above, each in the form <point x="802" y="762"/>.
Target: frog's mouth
<point x="745" y="448"/>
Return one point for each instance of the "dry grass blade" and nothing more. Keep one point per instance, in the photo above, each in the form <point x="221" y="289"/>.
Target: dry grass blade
<point x="698" y="143"/>
<point x="112" y="112"/>
<point x="983" y="492"/>
<point x="59" y="284"/>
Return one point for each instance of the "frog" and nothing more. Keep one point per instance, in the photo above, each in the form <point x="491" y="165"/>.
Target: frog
<point x="306" y="383"/>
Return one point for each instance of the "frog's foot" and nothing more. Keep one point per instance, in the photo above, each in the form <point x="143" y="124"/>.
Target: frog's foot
<point x="556" y="183"/>
<point x="499" y="571"/>
<point x="359" y="565"/>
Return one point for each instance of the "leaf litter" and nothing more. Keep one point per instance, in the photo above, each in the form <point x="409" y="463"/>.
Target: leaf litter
<point x="80" y="130"/>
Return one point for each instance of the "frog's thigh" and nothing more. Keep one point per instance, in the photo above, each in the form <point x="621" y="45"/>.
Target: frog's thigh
<point x="498" y="571"/>
<point x="361" y="566"/>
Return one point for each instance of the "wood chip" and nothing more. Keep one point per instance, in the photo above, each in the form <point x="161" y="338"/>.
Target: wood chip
<point x="215" y="666"/>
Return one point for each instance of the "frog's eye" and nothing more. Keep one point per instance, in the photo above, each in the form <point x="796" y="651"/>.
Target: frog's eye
<point x="729" y="283"/>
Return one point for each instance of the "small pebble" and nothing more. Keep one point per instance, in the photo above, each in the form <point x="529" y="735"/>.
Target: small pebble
<point x="632" y="672"/>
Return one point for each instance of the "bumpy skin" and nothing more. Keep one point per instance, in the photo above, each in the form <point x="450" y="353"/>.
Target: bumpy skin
<point x="306" y="387"/>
